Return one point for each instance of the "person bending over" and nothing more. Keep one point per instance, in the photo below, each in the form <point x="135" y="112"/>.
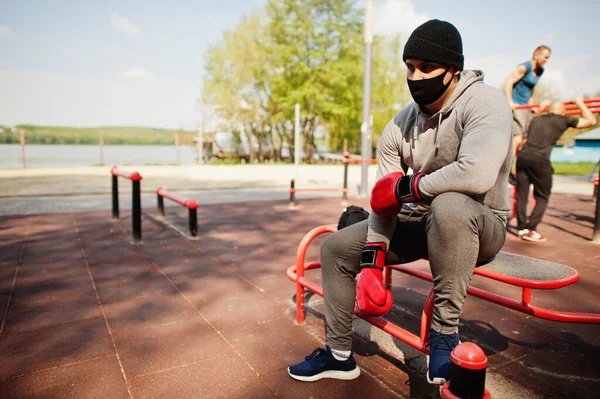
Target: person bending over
<point x="533" y="163"/>
<point x="452" y="208"/>
<point x="518" y="89"/>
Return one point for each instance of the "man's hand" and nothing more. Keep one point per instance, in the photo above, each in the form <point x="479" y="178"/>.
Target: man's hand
<point x="371" y="297"/>
<point x="513" y="106"/>
<point x="394" y="189"/>
<point x="578" y="100"/>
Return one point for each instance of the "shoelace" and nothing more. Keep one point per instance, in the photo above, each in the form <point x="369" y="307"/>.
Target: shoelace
<point x="315" y="353"/>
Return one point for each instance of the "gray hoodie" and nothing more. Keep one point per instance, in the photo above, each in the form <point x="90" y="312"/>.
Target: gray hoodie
<point x="466" y="147"/>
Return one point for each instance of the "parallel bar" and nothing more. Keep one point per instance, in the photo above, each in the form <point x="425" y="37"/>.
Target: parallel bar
<point x="191" y="204"/>
<point x="133" y="176"/>
<point x="359" y="160"/>
<point x="115" y="196"/>
<point x="136" y="215"/>
<point x="193" y="221"/>
<point x="161" y="205"/>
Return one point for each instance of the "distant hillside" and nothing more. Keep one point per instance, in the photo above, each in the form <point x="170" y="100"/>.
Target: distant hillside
<point x="112" y="135"/>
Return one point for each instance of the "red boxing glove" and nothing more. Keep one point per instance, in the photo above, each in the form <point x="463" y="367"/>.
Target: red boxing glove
<point x="383" y="196"/>
<point x="394" y="189"/>
<point x="371" y="297"/>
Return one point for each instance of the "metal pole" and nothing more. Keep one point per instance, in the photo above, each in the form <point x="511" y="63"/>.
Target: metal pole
<point x="596" y="236"/>
<point x="201" y="141"/>
<point x="193" y="219"/>
<point x="101" y="149"/>
<point x="22" y="139"/>
<point x="136" y="214"/>
<point x="345" y="191"/>
<point x="365" y="128"/>
<point x="115" y="196"/>
<point x="297" y="145"/>
<point x="161" y="205"/>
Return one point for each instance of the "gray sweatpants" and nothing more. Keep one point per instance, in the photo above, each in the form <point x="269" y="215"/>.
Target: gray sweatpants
<point x="455" y="234"/>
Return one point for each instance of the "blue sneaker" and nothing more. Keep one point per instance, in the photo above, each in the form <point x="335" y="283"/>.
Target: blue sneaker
<point x="438" y="362"/>
<point x="322" y="364"/>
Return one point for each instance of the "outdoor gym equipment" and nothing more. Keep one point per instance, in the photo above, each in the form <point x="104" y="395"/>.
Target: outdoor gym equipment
<point x="190" y="204"/>
<point x="136" y="206"/>
<point x="521" y="271"/>
<point x="344" y="189"/>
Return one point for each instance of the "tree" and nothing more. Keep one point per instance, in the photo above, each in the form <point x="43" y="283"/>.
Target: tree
<point x="389" y="92"/>
<point x="232" y="80"/>
<point x="316" y="58"/>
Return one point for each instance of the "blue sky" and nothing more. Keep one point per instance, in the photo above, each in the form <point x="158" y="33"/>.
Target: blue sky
<point x="89" y="63"/>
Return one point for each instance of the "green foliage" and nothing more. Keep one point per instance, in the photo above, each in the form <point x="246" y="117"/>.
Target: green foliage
<point x="112" y="135"/>
<point x="573" y="168"/>
<point x="301" y="52"/>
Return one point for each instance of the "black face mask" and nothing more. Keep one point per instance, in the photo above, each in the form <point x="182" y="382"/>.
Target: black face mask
<point x="428" y="91"/>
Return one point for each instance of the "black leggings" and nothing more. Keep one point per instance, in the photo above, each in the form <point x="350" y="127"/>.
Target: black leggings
<point x="536" y="171"/>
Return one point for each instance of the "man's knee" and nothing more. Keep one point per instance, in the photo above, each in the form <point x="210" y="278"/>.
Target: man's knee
<point x="345" y="244"/>
<point x="450" y="210"/>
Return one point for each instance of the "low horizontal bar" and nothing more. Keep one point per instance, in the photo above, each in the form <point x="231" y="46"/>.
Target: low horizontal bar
<point x="293" y="190"/>
<point x="188" y="203"/>
<point x="133" y="176"/>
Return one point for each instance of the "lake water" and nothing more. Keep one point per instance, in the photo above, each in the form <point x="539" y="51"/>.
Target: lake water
<point x="49" y="156"/>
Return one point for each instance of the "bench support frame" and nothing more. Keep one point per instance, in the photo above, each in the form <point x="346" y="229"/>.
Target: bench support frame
<point x="296" y="274"/>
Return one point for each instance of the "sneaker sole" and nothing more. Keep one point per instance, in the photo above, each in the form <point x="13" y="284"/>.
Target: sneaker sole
<point x="334" y="374"/>
<point x="533" y="239"/>
<point x="437" y="380"/>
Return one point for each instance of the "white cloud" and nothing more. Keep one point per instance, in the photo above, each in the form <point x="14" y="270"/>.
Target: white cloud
<point x="5" y="31"/>
<point x="396" y="16"/>
<point x="122" y="24"/>
<point x="53" y="99"/>
<point x="137" y="73"/>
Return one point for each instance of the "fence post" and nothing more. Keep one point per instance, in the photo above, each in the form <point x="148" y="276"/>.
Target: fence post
<point x="136" y="206"/>
<point x="101" y="149"/>
<point x="115" y="196"/>
<point x="22" y="139"/>
<point x="176" y="135"/>
<point x="345" y="188"/>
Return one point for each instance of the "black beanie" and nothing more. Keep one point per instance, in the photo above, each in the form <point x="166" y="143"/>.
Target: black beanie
<point x="436" y="41"/>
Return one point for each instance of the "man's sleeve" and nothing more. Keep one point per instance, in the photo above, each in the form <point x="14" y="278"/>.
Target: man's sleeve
<point x="381" y="228"/>
<point x="483" y="149"/>
<point x="572" y="122"/>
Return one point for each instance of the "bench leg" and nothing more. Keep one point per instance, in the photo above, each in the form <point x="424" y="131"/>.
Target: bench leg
<point x="299" y="303"/>
<point x="388" y="278"/>
<point x="426" y="318"/>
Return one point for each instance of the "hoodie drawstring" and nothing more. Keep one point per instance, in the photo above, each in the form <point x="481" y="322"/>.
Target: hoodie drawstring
<point x="435" y="139"/>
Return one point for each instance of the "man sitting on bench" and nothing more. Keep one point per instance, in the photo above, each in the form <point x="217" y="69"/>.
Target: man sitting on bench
<point x="452" y="209"/>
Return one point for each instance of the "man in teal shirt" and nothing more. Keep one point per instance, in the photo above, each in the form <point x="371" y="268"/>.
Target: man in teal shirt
<point x="518" y="89"/>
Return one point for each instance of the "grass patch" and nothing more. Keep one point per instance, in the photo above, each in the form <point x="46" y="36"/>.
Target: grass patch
<point x="573" y="168"/>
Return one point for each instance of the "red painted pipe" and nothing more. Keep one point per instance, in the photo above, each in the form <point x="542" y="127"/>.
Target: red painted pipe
<point x="351" y="160"/>
<point x="578" y="111"/>
<point x="133" y="176"/>
<point x="586" y="101"/>
<point x="188" y="203"/>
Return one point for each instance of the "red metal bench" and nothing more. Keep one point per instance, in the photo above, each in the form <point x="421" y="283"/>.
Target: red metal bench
<point x="521" y="271"/>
